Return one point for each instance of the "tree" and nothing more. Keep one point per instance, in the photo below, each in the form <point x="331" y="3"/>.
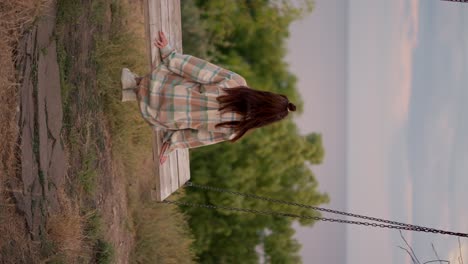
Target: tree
<point x="248" y="38"/>
<point x="315" y="151"/>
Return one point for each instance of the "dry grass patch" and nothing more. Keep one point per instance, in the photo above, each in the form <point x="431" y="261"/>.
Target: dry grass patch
<point x="163" y="235"/>
<point x="16" y="17"/>
<point x="15" y="243"/>
<point x="65" y="230"/>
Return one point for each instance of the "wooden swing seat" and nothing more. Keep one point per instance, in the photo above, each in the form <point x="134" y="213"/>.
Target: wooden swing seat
<point x="175" y="172"/>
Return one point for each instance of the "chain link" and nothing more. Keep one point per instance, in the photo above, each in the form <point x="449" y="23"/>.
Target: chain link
<point x="272" y="200"/>
<point x="383" y="223"/>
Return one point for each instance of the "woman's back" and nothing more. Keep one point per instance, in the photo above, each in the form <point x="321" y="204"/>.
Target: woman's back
<point x="197" y="103"/>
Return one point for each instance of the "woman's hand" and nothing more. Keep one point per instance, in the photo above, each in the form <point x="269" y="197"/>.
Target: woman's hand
<point x="162" y="157"/>
<point x="162" y="42"/>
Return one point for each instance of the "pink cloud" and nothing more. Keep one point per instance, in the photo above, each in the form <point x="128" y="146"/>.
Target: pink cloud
<point x="407" y="41"/>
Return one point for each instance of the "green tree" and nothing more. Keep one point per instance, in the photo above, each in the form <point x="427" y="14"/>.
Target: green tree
<point x="248" y="37"/>
<point x="315" y="151"/>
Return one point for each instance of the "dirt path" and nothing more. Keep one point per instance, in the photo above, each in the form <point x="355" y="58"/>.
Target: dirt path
<point x="43" y="160"/>
<point x="48" y="166"/>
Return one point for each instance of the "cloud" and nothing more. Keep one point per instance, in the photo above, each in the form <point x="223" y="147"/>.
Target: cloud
<point x="407" y="40"/>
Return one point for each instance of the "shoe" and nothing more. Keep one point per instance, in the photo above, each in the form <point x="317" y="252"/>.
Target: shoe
<point x="129" y="95"/>
<point x="128" y="84"/>
<point x="128" y="79"/>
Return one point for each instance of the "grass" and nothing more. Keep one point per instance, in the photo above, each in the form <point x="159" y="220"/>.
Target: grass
<point x="83" y="130"/>
<point x="15" y="245"/>
<point x="88" y="174"/>
<point x="81" y="123"/>
<point x="67" y="88"/>
<point x="94" y="226"/>
<point x="105" y="252"/>
<point x="158" y="239"/>
<point x="98" y="14"/>
<point x="65" y="232"/>
<point x="76" y="234"/>
<point x="68" y="11"/>
<point x="16" y="17"/>
<point x="77" y="237"/>
<point x="64" y="239"/>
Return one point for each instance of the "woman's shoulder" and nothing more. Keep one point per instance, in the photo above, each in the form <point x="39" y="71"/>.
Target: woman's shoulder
<point x="234" y="80"/>
<point x="239" y="79"/>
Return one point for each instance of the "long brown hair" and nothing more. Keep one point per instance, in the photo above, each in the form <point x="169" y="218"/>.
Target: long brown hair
<point x="257" y="108"/>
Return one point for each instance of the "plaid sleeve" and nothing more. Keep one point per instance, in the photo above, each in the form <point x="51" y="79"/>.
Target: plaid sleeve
<point x="192" y="138"/>
<point x="196" y="69"/>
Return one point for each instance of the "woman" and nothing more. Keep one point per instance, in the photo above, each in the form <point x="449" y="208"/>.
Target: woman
<point x="198" y="103"/>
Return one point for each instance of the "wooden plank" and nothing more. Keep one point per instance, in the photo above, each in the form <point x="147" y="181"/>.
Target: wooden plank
<point x="154" y="7"/>
<point x="149" y="27"/>
<point x="174" y="172"/>
<point x="183" y="164"/>
<point x="161" y="177"/>
<point x="165" y="15"/>
<point x="175" y="23"/>
<point x="153" y="25"/>
<point x="166" y="20"/>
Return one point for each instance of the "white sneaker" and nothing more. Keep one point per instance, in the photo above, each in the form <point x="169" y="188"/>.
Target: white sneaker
<point x="128" y="79"/>
<point x="128" y="95"/>
<point x="128" y="84"/>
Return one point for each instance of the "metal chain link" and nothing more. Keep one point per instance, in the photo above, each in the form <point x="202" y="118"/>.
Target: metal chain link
<point x="272" y="200"/>
<point x="387" y="223"/>
<point x="316" y="218"/>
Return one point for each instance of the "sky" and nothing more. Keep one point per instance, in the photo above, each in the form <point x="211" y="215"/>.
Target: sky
<point x="385" y="83"/>
<point x="316" y="54"/>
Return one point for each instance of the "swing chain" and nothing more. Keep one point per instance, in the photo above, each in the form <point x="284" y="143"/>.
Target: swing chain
<point x="316" y="218"/>
<point x="272" y="200"/>
<point x="384" y="223"/>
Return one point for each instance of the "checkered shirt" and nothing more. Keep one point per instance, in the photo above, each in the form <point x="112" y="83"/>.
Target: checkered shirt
<point x="179" y="97"/>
